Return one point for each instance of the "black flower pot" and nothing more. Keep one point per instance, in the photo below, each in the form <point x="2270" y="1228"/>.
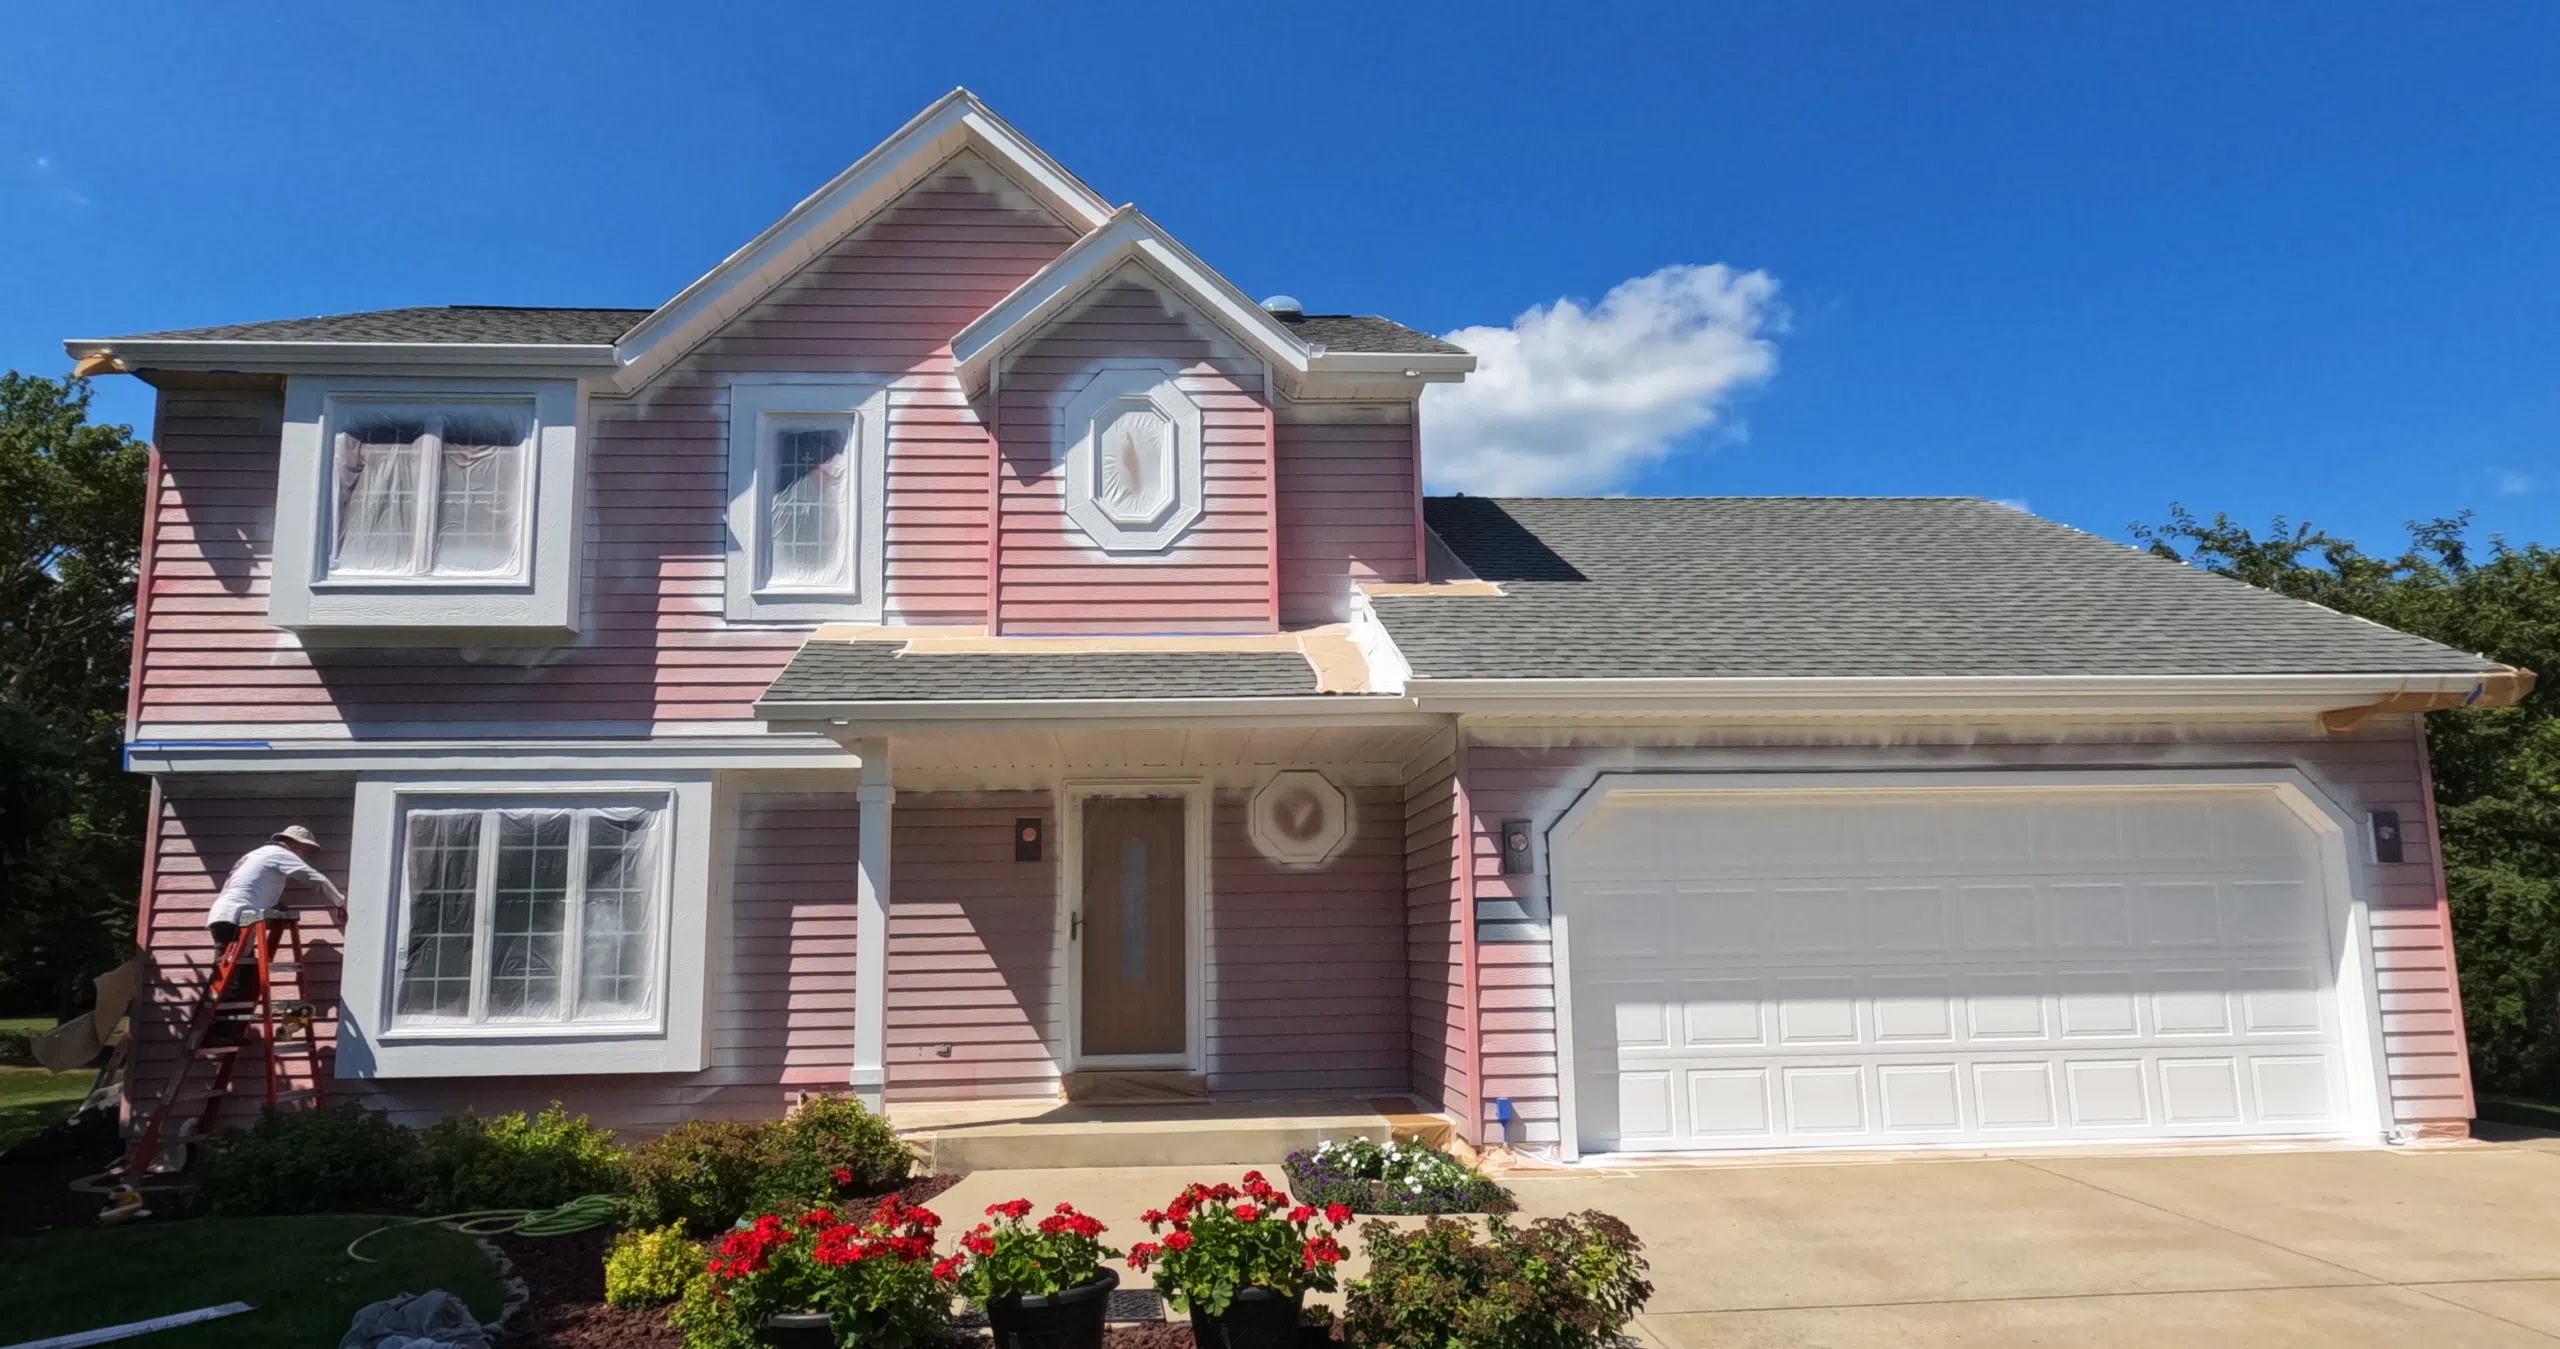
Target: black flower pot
<point x="1068" y="1319"/>
<point x="1258" y="1318"/>
<point x="798" y="1330"/>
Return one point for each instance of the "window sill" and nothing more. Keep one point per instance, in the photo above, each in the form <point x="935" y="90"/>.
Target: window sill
<point x="538" y="1032"/>
<point x="397" y="584"/>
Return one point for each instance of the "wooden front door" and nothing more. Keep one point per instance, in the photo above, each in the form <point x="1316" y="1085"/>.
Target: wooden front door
<point x="1136" y="989"/>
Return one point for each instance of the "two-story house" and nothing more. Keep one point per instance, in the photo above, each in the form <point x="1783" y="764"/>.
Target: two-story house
<point x="963" y="649"/>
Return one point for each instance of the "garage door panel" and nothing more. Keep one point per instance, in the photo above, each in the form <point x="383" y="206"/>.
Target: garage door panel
<point x="1920" y="1097"/>
<point x="2020" y="971"/>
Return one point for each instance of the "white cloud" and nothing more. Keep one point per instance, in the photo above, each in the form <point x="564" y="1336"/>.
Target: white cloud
<point x="2511" y="483"/>
<point x="1569" y="399"/>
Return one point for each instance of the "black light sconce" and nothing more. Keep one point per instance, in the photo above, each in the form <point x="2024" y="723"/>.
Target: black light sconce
<point x="1026" y="839"/>
<point x="1516" y="860"/>
<point x="2386" y="836"/>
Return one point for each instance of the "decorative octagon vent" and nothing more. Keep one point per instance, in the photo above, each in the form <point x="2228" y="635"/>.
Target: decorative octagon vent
<point x="1131" y="440"/>
<point x="1299" y="818"/>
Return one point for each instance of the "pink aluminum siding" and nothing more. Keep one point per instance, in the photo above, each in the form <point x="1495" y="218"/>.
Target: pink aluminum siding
<point x="1347" y="512"/>
<point x="1308" y="965"/>
<point x="1218" y="577"/>
<point x="970" y="937"/>
<point x="2380" y="768"/>
<point x="1435" y="955"/>
<point x="656" y="648"/>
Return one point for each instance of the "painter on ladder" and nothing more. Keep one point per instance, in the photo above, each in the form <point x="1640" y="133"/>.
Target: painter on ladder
<point x="255" y="887"/>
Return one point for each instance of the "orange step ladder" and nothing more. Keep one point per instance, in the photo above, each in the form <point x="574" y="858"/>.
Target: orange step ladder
<point x="194" y="1098"/>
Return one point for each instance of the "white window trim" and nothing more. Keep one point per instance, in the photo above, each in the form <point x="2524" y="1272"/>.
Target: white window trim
<point x="1074" y="412"/>
<point x="540" y="598"/>
<point x="372" y="1043"/>
<point x="860" y="403"/>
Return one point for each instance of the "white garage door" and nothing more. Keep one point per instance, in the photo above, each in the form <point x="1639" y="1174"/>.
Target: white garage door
<point x="1864" y="969"/>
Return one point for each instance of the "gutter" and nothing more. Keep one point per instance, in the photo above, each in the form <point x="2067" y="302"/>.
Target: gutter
<point x="918" y="714"/>
<point x="1865" y="694"/>
<point x="128" y="355"/>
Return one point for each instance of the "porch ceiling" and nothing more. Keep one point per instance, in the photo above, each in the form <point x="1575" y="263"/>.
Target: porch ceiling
<point x="1226" y="756"/>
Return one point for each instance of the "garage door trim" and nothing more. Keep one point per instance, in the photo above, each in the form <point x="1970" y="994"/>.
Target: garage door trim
<point x="2342" y="879"/>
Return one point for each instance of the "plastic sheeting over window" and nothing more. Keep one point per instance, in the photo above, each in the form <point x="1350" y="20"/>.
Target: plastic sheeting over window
<point x="530" y="915"/>
<point x="809" y="509"/>
<point x="430" y="492"/>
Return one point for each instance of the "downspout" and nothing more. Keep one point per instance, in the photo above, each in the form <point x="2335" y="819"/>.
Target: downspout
<point x="1421" y="531"/>
<point x="870" y="1076"/>
<point x="995" y="488"/>
<point x="142" y="580"/>
<point x="1471" y="1010"/>
<point x="2444" y="911"/>
<point x="1271" y="496"/>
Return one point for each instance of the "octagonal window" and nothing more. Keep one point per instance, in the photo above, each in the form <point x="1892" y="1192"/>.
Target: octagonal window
<point x="1130" y="439"/>
<point x="1133" y="468"/>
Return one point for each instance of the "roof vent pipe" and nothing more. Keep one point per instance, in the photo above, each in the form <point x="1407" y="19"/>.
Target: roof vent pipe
<point x="1284" y="307"/>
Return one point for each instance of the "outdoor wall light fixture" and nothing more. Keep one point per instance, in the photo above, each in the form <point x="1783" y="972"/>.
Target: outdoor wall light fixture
<point x="1026" y="839"/>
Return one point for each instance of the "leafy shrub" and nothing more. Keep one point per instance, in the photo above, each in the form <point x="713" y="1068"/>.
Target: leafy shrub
<point x="873" y="1274"/>
<point x="707" y="1319"/>
<point x="702" y="1173"/>
<point x="1407" y="1177"/>
<point x="1559" y="1283"/>
<point x="707" y="1174"/>
<point x="828" y="1147"/>
<point x="465" y="1162"/>
<point x="647" y="1269"/>
<point x="342" y="1159"/>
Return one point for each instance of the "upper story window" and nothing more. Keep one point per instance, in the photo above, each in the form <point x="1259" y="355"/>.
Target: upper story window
<point x="807" y="469"/>
<point x="445" y="504"/>
<point x="421" y="490"/>
<point x="1130" y="438"/>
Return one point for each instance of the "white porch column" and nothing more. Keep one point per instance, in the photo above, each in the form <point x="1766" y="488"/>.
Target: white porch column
<point x="871" y="929"/>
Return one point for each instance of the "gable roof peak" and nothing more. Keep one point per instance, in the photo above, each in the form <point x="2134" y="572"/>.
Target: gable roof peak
<point x="957" y="120"/>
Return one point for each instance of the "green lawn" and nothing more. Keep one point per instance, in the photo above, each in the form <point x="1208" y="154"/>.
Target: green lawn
<point x="295" y="1271"/>
<point x="31" y="1098"/>
<point x="2510" y="1110"/>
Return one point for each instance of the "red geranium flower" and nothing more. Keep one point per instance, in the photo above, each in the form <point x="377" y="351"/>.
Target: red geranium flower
<point x="1337" y="1214"/>
<point x="843" y="1176"/>
<point x="1247" y="1213"/>
<point x="1179" y="1241"/>
<point x="1301" y="1214"/>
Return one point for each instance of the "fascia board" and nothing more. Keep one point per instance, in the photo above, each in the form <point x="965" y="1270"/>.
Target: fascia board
<point x="1039" y="713"/>
<point x="763" y="751"/>
<point x="2160" y="693"/>
<point x="1128" y="235"/>
<point x="834" y="210"/>
<point x="1392" y="363"/>
<point x="324" y="357"/>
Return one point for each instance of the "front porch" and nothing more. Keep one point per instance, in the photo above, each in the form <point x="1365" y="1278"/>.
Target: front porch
<point x="956" y="1138"/>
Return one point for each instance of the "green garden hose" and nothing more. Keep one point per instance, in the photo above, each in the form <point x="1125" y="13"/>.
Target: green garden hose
<point x="577" y="1215"/>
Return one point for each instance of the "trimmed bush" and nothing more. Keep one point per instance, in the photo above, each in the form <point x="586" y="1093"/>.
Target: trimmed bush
<point x="1407" y="1177"/>
<point x="465" y="1162"/>
<point x="650" y="1269"/>
<point x="830" y="1146"/>
<point x="342" y="1159"/>
<point x="702" y="1173"/>
<point x="1559" y="1283"/>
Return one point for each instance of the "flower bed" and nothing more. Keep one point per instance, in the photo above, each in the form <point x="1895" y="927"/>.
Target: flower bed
<point x="1402" y="1178"/>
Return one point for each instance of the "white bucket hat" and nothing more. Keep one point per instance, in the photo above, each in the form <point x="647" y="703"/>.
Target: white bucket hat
<point x="294" y="833"/>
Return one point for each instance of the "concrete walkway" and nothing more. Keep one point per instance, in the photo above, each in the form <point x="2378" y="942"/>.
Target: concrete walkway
<point x="2444" y="1247"/>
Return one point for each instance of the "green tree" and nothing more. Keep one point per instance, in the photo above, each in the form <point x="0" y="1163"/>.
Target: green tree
<point x="70" y="818"/>
<point x="2497" y="770"/>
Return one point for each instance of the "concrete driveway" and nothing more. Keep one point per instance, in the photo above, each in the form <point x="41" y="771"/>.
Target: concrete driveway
<point x="2447" y="1246"/>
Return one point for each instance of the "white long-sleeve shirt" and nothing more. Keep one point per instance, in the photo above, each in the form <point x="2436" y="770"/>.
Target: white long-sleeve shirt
<point x="258" y="881"/>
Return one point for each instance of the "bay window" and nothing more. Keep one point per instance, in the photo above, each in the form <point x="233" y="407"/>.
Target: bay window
<point x="529" y="914"/>
<point x="421" y="490"/>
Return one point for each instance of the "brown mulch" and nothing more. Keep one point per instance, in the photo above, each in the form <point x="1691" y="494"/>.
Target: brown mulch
<point x="564" y="1287"/>
<point x="1148" y="1335"/>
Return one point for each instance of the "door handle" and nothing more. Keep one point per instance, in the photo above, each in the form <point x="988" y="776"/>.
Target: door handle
<point x="1075" y="925"/>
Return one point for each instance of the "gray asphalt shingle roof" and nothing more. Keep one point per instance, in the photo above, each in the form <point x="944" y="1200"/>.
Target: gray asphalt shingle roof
<point x="1367" y="333"/>
<point x="458" y="323"/>
<point x="1655" y="587"/>
<point x="838" y="672"/>
<point x="510" y="324"/>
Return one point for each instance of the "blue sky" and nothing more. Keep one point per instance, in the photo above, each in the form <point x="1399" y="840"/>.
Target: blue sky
<point x="2094" y="257"/>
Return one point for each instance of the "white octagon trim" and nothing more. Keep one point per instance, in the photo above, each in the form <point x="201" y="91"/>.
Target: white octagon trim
<point x="1299" y="818"/>
<point x="1130" y="440"/>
